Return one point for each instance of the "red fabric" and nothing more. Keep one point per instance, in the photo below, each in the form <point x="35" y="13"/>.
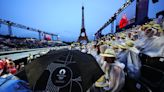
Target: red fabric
<point x="48" y="37"/>
<point x="123" y="22"/>
<point x="12" y="70"/>
<point x="2" y="64"/>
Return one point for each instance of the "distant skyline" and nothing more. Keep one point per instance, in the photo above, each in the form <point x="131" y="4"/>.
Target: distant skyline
<point x="61" y="17"/>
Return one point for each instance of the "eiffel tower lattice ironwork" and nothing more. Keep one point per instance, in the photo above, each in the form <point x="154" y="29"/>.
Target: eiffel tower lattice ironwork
<point x="83" y="35"/>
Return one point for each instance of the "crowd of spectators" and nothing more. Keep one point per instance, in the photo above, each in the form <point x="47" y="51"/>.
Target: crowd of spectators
<point x="122" y="52"/>
<point x="117" y="54"/>
<point x="7" y="66"/>
<point x="8" y="43"/>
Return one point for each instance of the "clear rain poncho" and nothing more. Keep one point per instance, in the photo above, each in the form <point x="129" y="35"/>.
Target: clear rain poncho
<point x="116" y="77"/>
<point x="154" y="47"/>
<point x="133" y="63"/>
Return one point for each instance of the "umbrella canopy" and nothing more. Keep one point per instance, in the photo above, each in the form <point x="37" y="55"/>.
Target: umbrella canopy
<point x="63" y="71"/>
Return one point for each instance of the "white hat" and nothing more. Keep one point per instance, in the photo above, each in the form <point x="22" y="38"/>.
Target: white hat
<point x="122" y="46"/>
<point x="109" y="53"/>
<point x="129" y="43"/>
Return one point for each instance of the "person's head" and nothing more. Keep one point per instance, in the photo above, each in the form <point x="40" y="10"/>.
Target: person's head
<point x="109" y="38"/>
<point x="118" y="37"/>
<point x="115" y="48"/>
<point x="144" y="27"/>
<point x="135" y="37"/>
<point x="10" y="65"/>
<point x="123" y="47"/>
<point x="149" y="32"/>
<point x="158" y="29"/>
<point x="109" y="55"/>
<point x="129" y="35"/>
<point x="110" y="59"/>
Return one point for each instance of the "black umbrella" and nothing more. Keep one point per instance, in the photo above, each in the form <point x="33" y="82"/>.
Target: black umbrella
<point x="63" y="71"/>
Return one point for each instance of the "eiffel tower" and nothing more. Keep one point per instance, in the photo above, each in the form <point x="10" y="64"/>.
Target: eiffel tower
<point x="83" y="36"/>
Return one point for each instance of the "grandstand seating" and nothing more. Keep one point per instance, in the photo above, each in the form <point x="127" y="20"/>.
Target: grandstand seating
<point x="8" y="43"/>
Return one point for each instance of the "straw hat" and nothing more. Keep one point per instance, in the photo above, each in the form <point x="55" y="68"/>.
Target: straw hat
<point x="109" y="53"/>
<point x="115" y="46"/>
<point x="122" y="46"/>
<point x="151" y="23"/>
<point x="104" y="43"/>
<point x="146" y="26"/>
<point x="129" y="43"/>
<point x="158" y="27"/>
<point x="109" y="43"/>
<point x="122" y="35"/>
<point x="100" y="42"/>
